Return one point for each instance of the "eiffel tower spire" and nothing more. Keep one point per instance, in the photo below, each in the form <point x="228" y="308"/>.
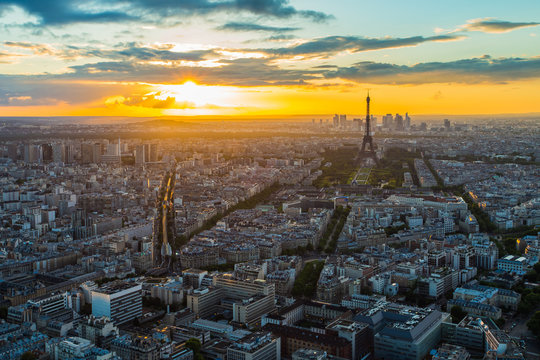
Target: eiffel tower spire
<point x="367" y="142"/>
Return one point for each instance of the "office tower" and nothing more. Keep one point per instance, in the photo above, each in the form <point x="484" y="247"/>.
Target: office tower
<point x="47" y="152"/>
<point x="407" y="123"/>
<point x="447" y="124"/>
<point x="398" y="122"/>
<point x="119" y="301"/>
<point x="32" y="154"/>
<point x="153" y="152"/>
<point x="335" y="120"/>
<point x="87" y="153"/>
<point x="343" y="121"/>
<point x="388" y="121"/>
<point x="140" y="154"/>
<point x="58" y="153"/>
<point x="13" y="152"/>
<point x="97" y="153"/>
<point x="69" y="154"/>
<point x="112" y="150"/>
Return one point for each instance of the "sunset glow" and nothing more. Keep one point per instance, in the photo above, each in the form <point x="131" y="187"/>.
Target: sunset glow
<point x="289" y="58"/>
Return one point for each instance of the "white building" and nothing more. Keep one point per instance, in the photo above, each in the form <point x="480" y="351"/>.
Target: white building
<point x="119" y="301"/>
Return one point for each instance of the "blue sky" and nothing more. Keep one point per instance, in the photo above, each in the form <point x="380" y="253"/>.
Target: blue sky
<point x="48" y="48"/>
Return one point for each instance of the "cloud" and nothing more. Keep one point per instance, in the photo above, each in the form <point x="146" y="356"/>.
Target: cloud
<point x="152" y="100"/>
<point x="242" y="26"/>
<point x="136" y="51"/>
<point x="238" y="72"/>
<point x="470" y="71"/>
<point x="62" y="12"/>
<point x="38" y="49"/>
<point x="279" y="38"/>
<point x="490" y="25"/>
<point x="331" y="45"/>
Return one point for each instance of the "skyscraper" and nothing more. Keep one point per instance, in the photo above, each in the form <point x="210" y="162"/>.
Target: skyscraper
<point x="398" y="121"/>
<point x="139" y="154"/>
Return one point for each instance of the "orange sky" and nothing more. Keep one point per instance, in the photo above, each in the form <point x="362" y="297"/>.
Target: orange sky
<point x="277" y="57"/>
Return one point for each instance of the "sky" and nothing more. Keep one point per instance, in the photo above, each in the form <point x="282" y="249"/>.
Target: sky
<point x="268" y="57"/>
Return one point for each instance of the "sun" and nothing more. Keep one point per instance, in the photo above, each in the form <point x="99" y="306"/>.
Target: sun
<point x="199" y="95"/>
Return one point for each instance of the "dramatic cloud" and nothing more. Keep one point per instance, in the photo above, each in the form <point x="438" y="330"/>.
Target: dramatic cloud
<point x="61" y="12"/>
<point x="470" y="71"/>
<point x="239" y="72"/>
<point x="236" y="26"/>
<point x="105" y="80"/>
<point x="490" y="25"/>
<point x="331" y="45"/>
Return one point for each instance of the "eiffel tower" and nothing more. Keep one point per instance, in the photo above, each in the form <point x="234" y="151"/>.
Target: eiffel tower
<point x="367" y="142"/>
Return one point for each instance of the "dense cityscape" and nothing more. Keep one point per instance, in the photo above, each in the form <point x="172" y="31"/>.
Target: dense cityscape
<point x="278" y="241"/>
<point x="269" y="180"/>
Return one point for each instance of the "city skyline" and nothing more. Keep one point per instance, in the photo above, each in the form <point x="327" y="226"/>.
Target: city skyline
<point x="267" y="58"/>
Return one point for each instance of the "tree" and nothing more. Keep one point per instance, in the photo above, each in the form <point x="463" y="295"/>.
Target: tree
<point x="534" y="324"/>
<point x="28" y="356"/>
<point x="195" y="345"/>
<point x="3" y="312"/>
<point x="457" y="314"/>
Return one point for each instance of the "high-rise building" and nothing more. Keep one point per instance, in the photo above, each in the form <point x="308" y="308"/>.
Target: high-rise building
<point x="388" y="121"/>
<point x="69" y="154"/>
<point x="407" y="123"/>
<point x="398" y="122"/>
<point x="97" y="153"/>
<point x="47" y="152"/>
<point x="33" y="154"/>
<point x="58" y="153"/>
<point x="447" y="124"/>
<point x="119" y="301"/>
<point x="12" y="151"/>
<point x="140" y="154"/>
<point x="335" y="120"/>
<point x="87" y="153"/>
<point x="153" y="152"/>
<point x="112" y="149"/>
<point x="343" y="120"/>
